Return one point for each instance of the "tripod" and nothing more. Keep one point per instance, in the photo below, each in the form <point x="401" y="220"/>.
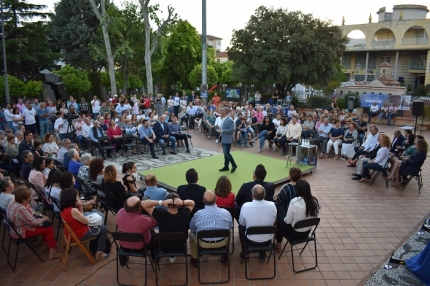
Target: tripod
<point x="71" y="131"/>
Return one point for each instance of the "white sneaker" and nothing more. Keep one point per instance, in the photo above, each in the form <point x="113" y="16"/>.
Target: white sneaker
<point x="217" y="141"/>
<point x="172" y="259"/>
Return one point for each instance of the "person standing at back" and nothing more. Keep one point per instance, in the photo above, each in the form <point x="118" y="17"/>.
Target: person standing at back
<point x="226" y="130"/>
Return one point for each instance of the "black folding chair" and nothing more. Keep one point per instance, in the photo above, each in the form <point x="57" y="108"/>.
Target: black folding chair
<point x="125" y="252"/>
<point x="59" y="166"/>
<point x="108" y="147"/>
<point x="376" y="173"/>
<point x="417" y="177"/>
<point x="106" y="204"/>
<point x="17" y="241"/>
<point x="251" y="248"/>
<point x="310" y="222"/>
<point x="217" y="233"/>
<point x="160" y="252"/>
<point x="231" y="211"/>
<point x="57" y="215"/>
<point x="188" y="135"/>
<point x="129" y="141"/>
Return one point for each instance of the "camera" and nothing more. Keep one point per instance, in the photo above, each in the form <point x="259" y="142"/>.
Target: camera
<point x="70" y="117"/>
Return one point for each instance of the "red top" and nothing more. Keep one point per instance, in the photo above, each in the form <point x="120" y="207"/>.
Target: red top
<point x="111" y="132"/>
<point x="227" y="202"/>
<point x="78" y="227"/>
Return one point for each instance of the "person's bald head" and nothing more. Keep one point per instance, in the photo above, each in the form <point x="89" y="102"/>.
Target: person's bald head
<point x="258" y="192"/>
<point x="209" y="198"/>
<point x="132" y="205"/>
<point x="151" y="180"/>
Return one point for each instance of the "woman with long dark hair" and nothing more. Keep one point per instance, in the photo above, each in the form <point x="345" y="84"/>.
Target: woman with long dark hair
<point x="267" y="131"/>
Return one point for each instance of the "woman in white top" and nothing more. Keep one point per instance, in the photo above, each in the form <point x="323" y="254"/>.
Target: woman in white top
<point x="17" y="119"/>
<point x="281" y="136"/>
<point x="381" y="159"/>
<point x="303" y="206"/>
<point x="52" y="186"/>
<point x="170" y="104"/>
<point x="50" y="147"/>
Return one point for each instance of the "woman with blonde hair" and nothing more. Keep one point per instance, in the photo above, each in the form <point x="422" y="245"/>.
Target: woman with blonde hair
<point x="413" y="165"/>
<point x="224" y="196"/>
<point x="381" y="159"/>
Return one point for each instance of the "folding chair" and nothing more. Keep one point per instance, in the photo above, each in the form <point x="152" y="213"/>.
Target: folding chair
<point x="55" y="214"/>
<point x="17" y="241"/>
<point x="84" y="190"/>
<point x="120" y="251"/>
<point x="310" y="222"/>
<point x="270" y="246"/>
<point x="103" y="148"/>
<point x="160" y="252"/>
<point x="59" y="165"/>
<point x="417" y="177"/>
<point x="231" y="211"/>
<point x="217" y="233"/>
<point x="129" y="142"/>
<point x="71" y="239"/>
<point x="188" y="135"/>
<point x="106" y="204"/>
<point x="378" y="172"/>
<point x="5" y="226"/>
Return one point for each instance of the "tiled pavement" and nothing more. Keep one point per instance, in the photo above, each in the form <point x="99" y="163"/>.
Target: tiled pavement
<point x="360" y="227"/>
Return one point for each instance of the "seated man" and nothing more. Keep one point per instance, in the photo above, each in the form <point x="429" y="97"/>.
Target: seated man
<point x="392" y="110"/>
<point x="147" y="137"/>
<point x="26" y="166"/>
<point x="96" y="133"/>
<point x="374" y="110"/>
<point x="209" y="218"/>
<point x="322" y="138"/>
<point x="170" y="218"/>
<point x="192" y="191"/>
<point x="294" y="132"/>
<point x="152" y="191"/>
<point x="245" y="192"/>
<point x="398" y="141"/>
<point x="130" y="219"/>
<point x="162" y="133"/>
<point x="176" y="131"/>
<point x="191" y="112"/>
<point x="367" y="147"/>
<point x="259" y="212"/>
<point x="370" y="155"/>
<point x="361" y="128"/>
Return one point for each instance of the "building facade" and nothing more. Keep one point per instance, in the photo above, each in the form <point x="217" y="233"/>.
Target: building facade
<point x="399" y="38"/>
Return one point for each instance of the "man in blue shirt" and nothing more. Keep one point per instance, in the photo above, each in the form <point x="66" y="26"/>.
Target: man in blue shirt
<point x="43" y="113"/>
<point x="323" y="138"/>
<point x="147" y="137"/>
<point x="176" y="131"/>
<point x="152" y="191"/>
<point x="209" y="218"/>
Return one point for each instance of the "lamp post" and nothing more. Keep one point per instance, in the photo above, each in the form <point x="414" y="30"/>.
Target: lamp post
<point x="6" y="79"/>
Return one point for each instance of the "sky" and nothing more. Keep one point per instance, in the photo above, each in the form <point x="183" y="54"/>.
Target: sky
<point x="224" y="16"/>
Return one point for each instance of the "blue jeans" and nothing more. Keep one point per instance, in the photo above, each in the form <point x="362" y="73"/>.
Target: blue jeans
<point x="63" y="136"/>
<point x="95" y="115"/>
<point x="389" y="117"/>
<point x="263" y="136"/>
<point x="227" y="156"/>
<point x="368" y="167"/>
<point x="81" y="140"/>
<point x="360" y="138"/>
<point x="163" y="143"/>
<point x="9" y="125"/>
<point x="43" y="127"/>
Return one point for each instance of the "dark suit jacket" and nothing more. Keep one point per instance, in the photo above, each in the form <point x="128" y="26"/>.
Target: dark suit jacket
<point x="158" y="130"/>
<point x="244" y="195"/>
<point x="192" y="192"/>
<point x="398" y="142"/>
<point x="413" y="165"/>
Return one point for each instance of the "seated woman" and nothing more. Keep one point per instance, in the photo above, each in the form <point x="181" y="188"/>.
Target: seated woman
<point x="242" y="134"/>
<point x="71" y="212"/>
<point x="52" y="186"/>
<point x="111" y="185"/>
<point x="129" y="180"/>
<point x="36" y="176"/>
<point x="29" y="223"/>
<point x="38" y="152"/>
<point x="381" y="159"/>
<point x="283" y="198"/>
<point x="413" y="165"/>
<point x="115" y="135"/>
<point x="281" y="136"/>
<point x="224" y="195"/>
<point x="349" y="141"/>
<point x="397" y="162"/>
<point x="210" y="123"/>
<point x="267" y="131"/>
<point x="335" y="135"/>
<point x="303" y="206"/>
<point x="50" y="147"/>
<point x="49" y="166"/>
<point x="96" y="172"/>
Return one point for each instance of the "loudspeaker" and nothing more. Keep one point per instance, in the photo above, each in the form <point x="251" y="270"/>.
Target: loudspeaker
<point x="418" y="108"/>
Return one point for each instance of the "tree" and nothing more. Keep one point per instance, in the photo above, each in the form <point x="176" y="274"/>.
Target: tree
<point x="151" y="40"/>
<point x="76" y="81"/>
<point x="335" y="82"/>
<point x="285" y="48"/>
<point x="74" y="28"/>
<point x="183" y="51"/>
<point x="16" y="86"/>
<point x="33" y="88"/>
<point x="195" y="77"/>
<point x="100" y="11"/>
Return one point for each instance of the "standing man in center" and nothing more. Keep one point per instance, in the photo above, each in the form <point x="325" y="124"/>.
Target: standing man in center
<point x="226" y="130"/>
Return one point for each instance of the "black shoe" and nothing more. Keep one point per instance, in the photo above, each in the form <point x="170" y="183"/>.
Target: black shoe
<point x="110" y="156"/>
<point x="355" y="174"/>
<point x="250" y="143"/>
<point x="356" y="178"/>
<point x="123" y="260"/>
<point x="173" y="152"/>
<point x="224" y="258"/>
<point x="164" y="153"/>
<point x="243" y="257"/>
<point x="233" y="169"/>
<point x="224" y="169"/>
<point x="194" y="262"/>
<point x="189" y="136"/>
<point x="155" y="157"/>
<point x="263" y="258"/>
<point x="188" y="151"/>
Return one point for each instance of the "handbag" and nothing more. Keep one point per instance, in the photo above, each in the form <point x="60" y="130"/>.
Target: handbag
<point x="94" y="219"/>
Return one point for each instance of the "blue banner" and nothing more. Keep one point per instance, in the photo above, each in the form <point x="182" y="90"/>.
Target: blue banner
<point x="232" y="92"/>
<point x="368" y="99"/>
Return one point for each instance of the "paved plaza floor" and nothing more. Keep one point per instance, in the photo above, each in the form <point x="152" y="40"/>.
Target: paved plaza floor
<point x="360" y="226"/>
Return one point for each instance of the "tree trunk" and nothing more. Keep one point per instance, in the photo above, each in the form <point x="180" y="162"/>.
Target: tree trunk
<point x="125" y="72"/>
<point x="148" y="54"/>
<point x="110" y="60"/>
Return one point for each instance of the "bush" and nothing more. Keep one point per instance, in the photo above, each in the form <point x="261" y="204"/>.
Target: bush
<point x="319" y="101"/>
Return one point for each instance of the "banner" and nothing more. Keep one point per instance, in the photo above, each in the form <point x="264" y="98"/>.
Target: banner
<point x="368" y="99"/>
<point x="406" y="102"/>
<point x="232" y="92"/>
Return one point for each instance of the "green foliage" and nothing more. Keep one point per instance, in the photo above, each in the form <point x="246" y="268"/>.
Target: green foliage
<point x="286" y="48"/>
<point x="183" y="51"/>
<point x="16" y="86"/>
<point x="341" y="103"/>
<point x="95" y="79"/>
<point x="195" y="77"/>
<point x="318" y="101"/>
<point x="420" y="91"/>
<point x="105" y="80"/>
<point x="33" y="88"/>
<point x="76" y="81"/>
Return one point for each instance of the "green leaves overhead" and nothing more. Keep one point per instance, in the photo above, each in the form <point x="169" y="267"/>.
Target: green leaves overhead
<point x="76" y="81"/>
<point x="195" y="76"/>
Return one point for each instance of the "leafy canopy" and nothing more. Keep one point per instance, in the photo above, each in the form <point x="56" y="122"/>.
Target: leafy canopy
<point x="76" y="81"/>
<point x="195" y="76"/>
<point x="285" y="48"/>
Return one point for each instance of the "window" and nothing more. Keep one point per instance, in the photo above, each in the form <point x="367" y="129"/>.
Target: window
<point x="346" y="61"/>
<point x="371" y="77"/>
<point x="359" y="77"/>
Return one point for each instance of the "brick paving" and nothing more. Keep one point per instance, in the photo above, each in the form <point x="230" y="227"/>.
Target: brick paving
<point x="360" y="227"/>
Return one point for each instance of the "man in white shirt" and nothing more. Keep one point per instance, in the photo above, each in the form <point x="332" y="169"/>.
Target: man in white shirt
<point x="277" y="120"/>
<point x="120" y="107"/>
<point x="8" y="116"/>
<point x="374" y="110"/>
<point x="86" y="129"/>
<point x="294" y="132"/>
<point x="61" y="125"/>
<point x="218" y="123"/>
<point x="259" y="212"/>
<point x="29" y="115"/>
<point x="95" y="103"/>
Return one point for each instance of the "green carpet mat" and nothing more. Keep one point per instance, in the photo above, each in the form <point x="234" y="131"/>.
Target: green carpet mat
<point x="173" y="175"/>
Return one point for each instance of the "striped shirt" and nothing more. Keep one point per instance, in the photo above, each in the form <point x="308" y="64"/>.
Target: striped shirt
<point x="22" y="217"/>
<point x="210" y="218"/>
<point x="287" y="193"/>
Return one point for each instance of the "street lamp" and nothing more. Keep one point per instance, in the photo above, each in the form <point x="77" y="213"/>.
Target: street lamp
<point x="6" y="79"/>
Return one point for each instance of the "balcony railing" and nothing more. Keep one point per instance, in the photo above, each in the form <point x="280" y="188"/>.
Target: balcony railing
<point x="415" y="41"/>
<point x="385" y="43"/>
<point x="417" y="66"/>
